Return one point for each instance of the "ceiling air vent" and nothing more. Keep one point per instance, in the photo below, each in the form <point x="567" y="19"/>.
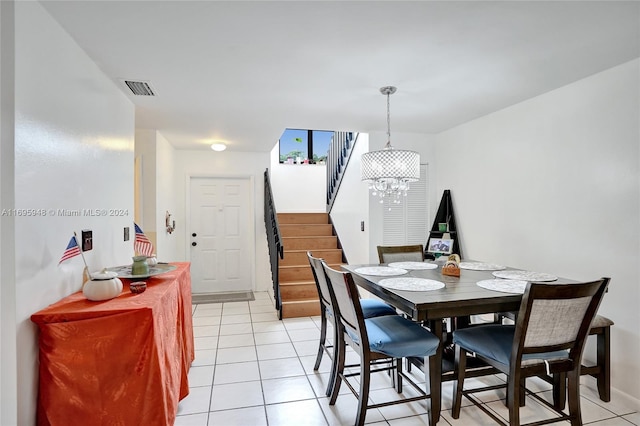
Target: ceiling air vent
<point x="140" y="88"/>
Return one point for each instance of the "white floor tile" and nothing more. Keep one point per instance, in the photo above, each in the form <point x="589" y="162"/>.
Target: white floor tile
<point x="265" y="308"/>
<point x="283" y="367"/>
<point x="298" y="413"/>
<point x="205" y="342"/>
<point x="307" y="348"/>
<point x="231" y="355"/>
<point x="298" y="323"/>
<point x="236" y="395"/>
<point x="345" y="410"/>
<point x="206" y="331"/>
<point x="199" y="321"/>
<point x="236" y="373"/>
<point x="278" y="350"/>
<point x="254" y="416"/>
<point x="235" y="319"/>
<point x="196" y="402"/>
<point x="268" y="326"/>
<point x="298" y="335"/>
<point x="232" y="329"/>
<point x="287" y="389"/>
<point x="633" y="418"/>
<point x="199" y="419"/>
<point x="264" y="317"/>
<point x="204" y="357"/>
<point x="200" y="376"/>
<point x="235" y="341"/>
<point x="272" y="338"/>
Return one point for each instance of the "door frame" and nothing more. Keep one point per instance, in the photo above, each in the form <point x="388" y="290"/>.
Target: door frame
<point x="252" y="215"/>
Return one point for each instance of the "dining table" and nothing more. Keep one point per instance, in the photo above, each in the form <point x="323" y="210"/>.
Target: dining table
<point x="428" y="296"/>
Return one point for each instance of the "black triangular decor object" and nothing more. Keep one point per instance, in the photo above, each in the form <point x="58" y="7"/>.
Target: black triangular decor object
<point x="446" y="216"/>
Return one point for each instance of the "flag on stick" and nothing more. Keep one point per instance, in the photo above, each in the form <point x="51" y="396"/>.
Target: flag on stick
<point x="141" y="244"/>
<point x="72" y="250"/>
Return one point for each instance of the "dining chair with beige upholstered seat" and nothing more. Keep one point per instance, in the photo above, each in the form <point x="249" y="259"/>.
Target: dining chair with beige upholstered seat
<point x="408" y="253"/>
<point x="532" y="348"/>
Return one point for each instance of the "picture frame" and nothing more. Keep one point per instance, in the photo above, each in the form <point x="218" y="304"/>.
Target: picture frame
<point x="440" y="245"/>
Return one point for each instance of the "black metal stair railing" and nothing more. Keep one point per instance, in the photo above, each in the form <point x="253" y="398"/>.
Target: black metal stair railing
<point x="276" y="249"/>
<point x="338" y="156"/>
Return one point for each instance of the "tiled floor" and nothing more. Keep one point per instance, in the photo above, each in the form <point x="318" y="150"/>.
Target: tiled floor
<point x="252" y="369"/>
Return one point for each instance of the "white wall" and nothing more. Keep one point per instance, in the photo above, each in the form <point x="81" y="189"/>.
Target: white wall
<point x="552" y="185"/>
<point x="145" y="152"/>
<point x="166" y="201"/>
<point x="8" y="376"/>
<point x="351" y="207"/>
<point x="74" y="135"/>
<point x="224" y="164"/>
<point x="298" y="188"/>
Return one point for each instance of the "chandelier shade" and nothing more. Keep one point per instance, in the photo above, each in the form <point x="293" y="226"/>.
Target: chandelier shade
<point x="390" y="171"/>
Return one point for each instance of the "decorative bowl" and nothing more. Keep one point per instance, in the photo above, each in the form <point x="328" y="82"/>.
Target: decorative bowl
<point x="138" y="287"/>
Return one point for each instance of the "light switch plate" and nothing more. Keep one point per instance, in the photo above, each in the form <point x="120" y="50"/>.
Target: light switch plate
<point x="126" y="233"/>
<point x="87" y="240"/>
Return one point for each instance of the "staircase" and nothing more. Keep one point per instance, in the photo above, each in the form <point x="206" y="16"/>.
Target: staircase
<point x="302" y="232"/>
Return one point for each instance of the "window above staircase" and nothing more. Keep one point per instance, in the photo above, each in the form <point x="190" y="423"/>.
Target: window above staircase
<point x="299" y="146"/>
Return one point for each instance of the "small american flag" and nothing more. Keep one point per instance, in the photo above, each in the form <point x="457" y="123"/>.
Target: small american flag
<point x="141" y="244"/>
<point x="71" y="251"/>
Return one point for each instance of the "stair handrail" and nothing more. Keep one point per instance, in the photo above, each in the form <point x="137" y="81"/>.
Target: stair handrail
<point x="274" y="240"/>
<point x="340" y="150"/>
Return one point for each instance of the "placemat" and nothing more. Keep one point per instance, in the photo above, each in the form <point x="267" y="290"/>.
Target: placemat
<point x="413" y="265"/>
<point x="481" y="266"/>
<point x="505" y="286"/>
<point x="411" y="284"/>
<point x="524" y="275"/>
<point x="381" y="271"/>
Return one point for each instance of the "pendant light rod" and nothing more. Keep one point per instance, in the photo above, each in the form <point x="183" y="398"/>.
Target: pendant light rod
<point x="388" y="91"/>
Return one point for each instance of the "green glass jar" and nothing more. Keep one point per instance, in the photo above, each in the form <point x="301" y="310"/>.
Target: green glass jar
<point x="140" y="266"/>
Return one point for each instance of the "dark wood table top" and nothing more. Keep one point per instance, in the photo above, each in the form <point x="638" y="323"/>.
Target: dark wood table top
<point x="460" y="295"/>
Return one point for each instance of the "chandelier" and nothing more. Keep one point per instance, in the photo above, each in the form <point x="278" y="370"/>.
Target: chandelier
<point x="389" y="171"/>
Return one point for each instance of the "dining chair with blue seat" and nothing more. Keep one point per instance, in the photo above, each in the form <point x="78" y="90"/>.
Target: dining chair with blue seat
<point x="370" y="308"/>
<point x="390" y="337"/>
<point x="548" y="337"/>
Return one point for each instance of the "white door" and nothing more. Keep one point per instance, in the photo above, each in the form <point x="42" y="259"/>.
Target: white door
<point x="220" y="233"/>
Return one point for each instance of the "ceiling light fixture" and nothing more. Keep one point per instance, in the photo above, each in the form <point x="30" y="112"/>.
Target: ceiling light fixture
<point x="389" y="171"/>
<point x="218" y="146"/>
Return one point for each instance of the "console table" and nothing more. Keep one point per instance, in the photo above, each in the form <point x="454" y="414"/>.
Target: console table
<point x="122" y="361"/>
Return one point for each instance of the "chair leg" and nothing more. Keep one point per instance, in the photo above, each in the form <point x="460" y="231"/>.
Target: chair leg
<point x="573" y="391"/>
<point x="604" y="362"/>
<point x="459" y="367"/>
<point x="513" y="398"/>
<point x="323" y="337"/>
<point x="363" y="396"/>
<point x="559" y="390"/>
<point x="339" y="359"/>
<point x="398" y="364"/>
<point x="334" y="362"/>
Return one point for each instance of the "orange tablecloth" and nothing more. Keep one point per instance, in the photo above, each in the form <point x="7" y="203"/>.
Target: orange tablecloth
<point x="123" y="361"/>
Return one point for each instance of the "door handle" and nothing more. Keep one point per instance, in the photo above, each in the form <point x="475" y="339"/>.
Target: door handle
<point x="194" y="244"/>
<point x="193" y="235"/>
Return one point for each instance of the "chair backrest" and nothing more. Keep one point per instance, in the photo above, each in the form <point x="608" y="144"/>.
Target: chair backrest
<point x="320" y="279"/>
<point x="410" y="253"/>
<point x="346" y="305"/>
<point x="556" y="317"/>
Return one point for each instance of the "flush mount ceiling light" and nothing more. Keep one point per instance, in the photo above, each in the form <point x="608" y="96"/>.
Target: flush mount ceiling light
<point x="389" y="171"/>
<point x="218" y="146"/>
